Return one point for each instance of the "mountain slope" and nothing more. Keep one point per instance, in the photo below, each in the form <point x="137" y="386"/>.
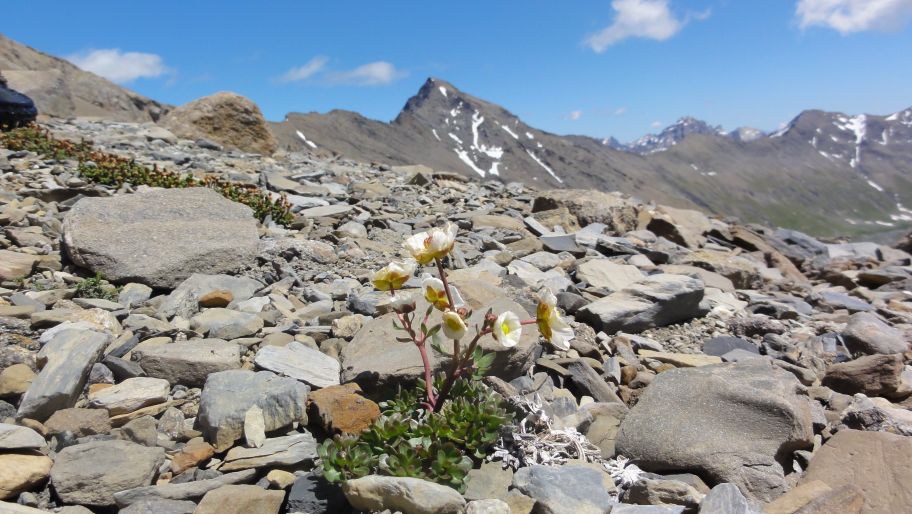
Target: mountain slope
<point x="826" y="173"/>
<point x="60" y="89"/>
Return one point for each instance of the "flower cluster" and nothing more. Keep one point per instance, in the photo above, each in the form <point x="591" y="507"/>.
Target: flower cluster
<point x="432" y="247"/>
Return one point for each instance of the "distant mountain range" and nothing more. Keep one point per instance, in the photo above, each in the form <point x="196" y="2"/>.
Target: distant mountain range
<point x="826" y="173"/>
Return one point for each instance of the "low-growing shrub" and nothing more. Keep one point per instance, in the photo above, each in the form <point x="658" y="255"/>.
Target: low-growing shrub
<point x="95" y="288"/>
<point x="113" y="170"/>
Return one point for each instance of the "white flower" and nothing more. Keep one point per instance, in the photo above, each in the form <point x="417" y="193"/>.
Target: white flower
<point x="507" y="329"/>
<point x="436" y="243"/>
<point x="402" y="303"/>
<point x="393" y="275"/>
<point x="434" y="292"/>
<point x="550" y="324"/>
<point x="453" y="325"/>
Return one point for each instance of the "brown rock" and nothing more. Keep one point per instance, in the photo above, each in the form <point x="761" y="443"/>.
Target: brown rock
<point x="240" y="499"/>
<point x="590" y="206"/>
<point x="341" y="409"/>
<point x="21" y="472"/>
<point x="190" y="456"/>
<point x="797" y="497"/>
<point x="16" y="265"/>
<point x="226" y="118"/>
<point x="15" y="380"/>
<point x="878" y="463"/>
<point x="81" y="422"/>
<point x="873" y="375"/>
<point x="218" y="298"/>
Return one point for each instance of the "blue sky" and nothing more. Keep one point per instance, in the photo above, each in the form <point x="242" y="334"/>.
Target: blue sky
<point x="620" y="68"/>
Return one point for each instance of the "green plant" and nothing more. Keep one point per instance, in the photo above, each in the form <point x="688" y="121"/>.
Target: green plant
<point x="113" y="170"/>
<point x="95" y="288"/>
<point x="407" y="441"/>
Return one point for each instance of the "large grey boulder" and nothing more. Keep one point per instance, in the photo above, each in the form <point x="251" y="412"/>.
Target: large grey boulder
<point x="226" y="118"/>
<point x="90" y="473"/>
<point x="866" y="333"/>
<point x="564" y="489"/>
<point x="160" y="237"/>
<point x="189" y="362"/>
<point x="733" y="423"/>
<point x="406" y="494"/>
<point x="184" y="300"/>
<point x="377" y="359"/>
<point x="655" y="301"/>
<point x="228" y="395"/>
<point x="70" y="355"/>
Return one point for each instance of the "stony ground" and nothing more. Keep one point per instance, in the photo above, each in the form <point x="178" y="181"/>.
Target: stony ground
<point x="738" y="368"/>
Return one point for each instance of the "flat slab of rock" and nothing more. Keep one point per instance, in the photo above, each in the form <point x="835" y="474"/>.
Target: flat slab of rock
<point x="866" y="333"/>
<point x="565" y="489"/>
<point x="729" y="422"/>
<point x="227" y="395"/>
<point x="289" y="450"/>
<point x="130" y="395"/>
<point x="16" y="437"/>
<point x="186" y="491"/>
<point x="301" y="363"/>
<point x="16" y="265"/>
<point x="90" y="473"/>
<point x="226" y="323"/>
<point x="873" y="375"/>
<point x="184" y="300"/>
<point x="656" y="301"/>
<point x="409" y="495"/>
<point x="21" y="472"/>
<point x="681" y="360"/>
<point x="70" y="356"/>
<point x="159" y="238"/>
<point x="878" y="463"/>
<point x="608" y="275"/>
<point x="241" y="499"/>
<point x="189" y="362"/>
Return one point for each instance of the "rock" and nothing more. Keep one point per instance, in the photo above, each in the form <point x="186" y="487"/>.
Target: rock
<point x="130" y="395"/>
<point x="663" y="492"/>
<point x="183" y="491"/>
<point x="342" y="410"/>
<point x="743" y="273"/>
<point x="590" y="206"/>
<point x="681" y="360"/>
<point x="254" y="427"/>
<point x="721" y="345"/>
<point x="161" y="237"/>
<point x="312" y="493"/>
<point x="142" y="430"/>
<point x="682" y="226"/>
<point x="134" y="294"/>
<point x="589" y="383"/>
<point x="160" y="507"/>
<point x="70" y="355"/>
<point x="605" y="274"/>
<point x="624" y="508"/>
<point x="727" y="499"/>
<point x="656" y="301"/>
<point x="15" y="380"/>
<point x="564" y="489"/>
<point x="226" y="323"/>
<point x="291" y="450"/>
<point x="226" y="118"/>
<point x="409" y="495"/>
<point x="491" y="480"/>
<point x="79" y="422"/>
<point x="16" y="437"/>
<point x="875" y="462"/>
<point x="194" y="453"/>
<point x="868" y="334"/>
<point x="606" y="421"/>
<point x="492" y="506"/>
<point x="326" y="211"/>
<point x="184" y="300"/>
<point x="190" y="362"/>
<point x="16" y="109"/>
<point x="21" y="472"/>
<point x="873" y="375"/>
<point x="227" y="395"/>
<point x="217" y="298"/>
<point x="301" y="363"/>
<point x="90" y="473"/>
<point x="814" y="496"/>
<point x="16" y="265"/>
<point x="727" y="422"/>
<point x="241" y="499"/>
<point x="377" y="361"/>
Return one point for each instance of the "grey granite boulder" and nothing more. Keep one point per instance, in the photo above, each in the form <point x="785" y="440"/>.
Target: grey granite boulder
<point x="736" y="422"/>
<point x="90" y="473"/>
<point x="228" y="395"/>
<point x="70" y="355"/>
<point x="160" y="237"/>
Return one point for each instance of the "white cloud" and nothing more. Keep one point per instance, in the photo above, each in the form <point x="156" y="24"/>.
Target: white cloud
<point x="575" y="115"/>
<point x="311" y="68"/>
<point x="847" y="16"/>
<point x="651" y="19"/>
<point x="620" y="111"/>
<point x="120" y="67"/>
<point x="376" y="73"/>
<point x="656" y="124"/>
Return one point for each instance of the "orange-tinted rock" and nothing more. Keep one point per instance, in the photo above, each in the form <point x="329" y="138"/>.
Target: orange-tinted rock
<point x="341" y="409"/>
<point x="217" y="298"/>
